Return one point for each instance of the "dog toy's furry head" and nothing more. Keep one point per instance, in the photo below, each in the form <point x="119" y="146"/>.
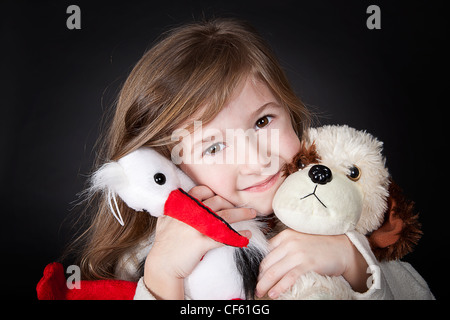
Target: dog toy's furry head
<point x="341" y="183"/>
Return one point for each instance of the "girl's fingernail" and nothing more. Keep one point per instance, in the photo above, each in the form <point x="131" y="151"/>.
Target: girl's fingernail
<point x="272" y="295"/>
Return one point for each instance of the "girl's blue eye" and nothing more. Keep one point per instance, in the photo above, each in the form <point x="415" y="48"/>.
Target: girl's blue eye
<point x="263" y="122"/>
<point x="215" y="148"/>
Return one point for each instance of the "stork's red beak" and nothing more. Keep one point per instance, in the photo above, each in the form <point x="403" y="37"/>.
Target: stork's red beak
<point x="183" y="207"/>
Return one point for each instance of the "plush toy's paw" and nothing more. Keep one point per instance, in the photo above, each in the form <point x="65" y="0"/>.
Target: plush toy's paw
<point x="313" y="286"/>
<point x="319" y="295"/>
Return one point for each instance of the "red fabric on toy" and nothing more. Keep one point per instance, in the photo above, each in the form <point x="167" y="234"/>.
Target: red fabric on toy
<point x="53" y="286"/>
<point x="185" y="208"/>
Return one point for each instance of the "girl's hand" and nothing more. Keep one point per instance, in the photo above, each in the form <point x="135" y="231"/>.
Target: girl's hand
<point x="178" y="248"/>
<point x="293" y="254"/>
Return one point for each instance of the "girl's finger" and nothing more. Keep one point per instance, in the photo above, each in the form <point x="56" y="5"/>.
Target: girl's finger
<point x="245" y="233"/>
<point x="237" y="214"/>
<point x="287" y="281"/>
<point x="269" y="274"/>
<point x="279" y="238"/>
<point x="217" y="203"/>
<point x="271" y="277"/>
<point x="269" y="260"/>
<point x="201" y="192"/>
<point x="269" y="280"/>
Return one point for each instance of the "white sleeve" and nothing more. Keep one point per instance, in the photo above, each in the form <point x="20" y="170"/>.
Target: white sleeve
<point x="405" y="282"/>
<point x="142" y="293"/>
<point x="390" y="280"/>
<point x="378" y="287"/>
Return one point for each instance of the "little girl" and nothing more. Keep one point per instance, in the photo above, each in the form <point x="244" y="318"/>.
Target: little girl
<point x="223" y="74"/>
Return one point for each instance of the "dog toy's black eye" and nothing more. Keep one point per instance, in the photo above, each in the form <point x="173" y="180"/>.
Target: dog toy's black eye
<point x="160" y="178"/>
<point x="300" y="164"/>
<point x="354" y="173"/>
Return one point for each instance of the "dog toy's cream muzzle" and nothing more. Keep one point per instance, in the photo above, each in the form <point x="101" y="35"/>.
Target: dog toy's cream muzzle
<point x="318" y="200"/>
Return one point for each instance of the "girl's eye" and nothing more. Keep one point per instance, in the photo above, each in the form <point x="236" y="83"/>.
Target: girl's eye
<point x="215" y="148"/>
<point x="263" y="122"/>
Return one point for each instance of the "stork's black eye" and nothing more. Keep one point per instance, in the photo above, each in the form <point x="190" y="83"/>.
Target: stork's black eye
<point x="354" y="173"/>
<point x="160" y="178"/>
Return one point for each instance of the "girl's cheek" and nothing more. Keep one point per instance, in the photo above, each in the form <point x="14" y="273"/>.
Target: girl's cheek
<point x="225" y="186"/>
<point x="289" y="144"/>
<point x="216" y="177"/>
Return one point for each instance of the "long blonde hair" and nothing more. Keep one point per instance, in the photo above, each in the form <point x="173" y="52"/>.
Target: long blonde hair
<point x="192" y="70"/>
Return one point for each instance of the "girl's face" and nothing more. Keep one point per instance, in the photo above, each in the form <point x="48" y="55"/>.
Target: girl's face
<point x="239" y="154"/>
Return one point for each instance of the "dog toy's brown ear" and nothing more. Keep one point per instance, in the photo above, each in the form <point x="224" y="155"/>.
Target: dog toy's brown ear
<point x="303" y="158"/>
<point x="400" y="230"/>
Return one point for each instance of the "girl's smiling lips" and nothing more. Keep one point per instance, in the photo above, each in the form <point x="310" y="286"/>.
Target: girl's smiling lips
<point x="264" y="185"/>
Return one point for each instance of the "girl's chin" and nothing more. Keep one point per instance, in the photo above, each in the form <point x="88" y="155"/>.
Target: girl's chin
<point x="262" y="210"/>
<point x="262" y="204"/>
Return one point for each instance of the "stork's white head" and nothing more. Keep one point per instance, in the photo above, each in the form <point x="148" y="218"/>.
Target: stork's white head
<point x="143" y="179"/>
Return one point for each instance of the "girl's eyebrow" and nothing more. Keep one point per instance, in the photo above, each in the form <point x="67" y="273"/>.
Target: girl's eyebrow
<point x="204" y="139"/>
<point x="254" y="114"/>
<point x="262" y="108"/>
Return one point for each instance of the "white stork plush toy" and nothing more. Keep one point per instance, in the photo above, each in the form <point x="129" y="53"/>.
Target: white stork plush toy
<point x="147" y="181"/>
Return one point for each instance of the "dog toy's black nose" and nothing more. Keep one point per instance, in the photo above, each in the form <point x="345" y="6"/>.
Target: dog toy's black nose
<point x="320" y="174"/>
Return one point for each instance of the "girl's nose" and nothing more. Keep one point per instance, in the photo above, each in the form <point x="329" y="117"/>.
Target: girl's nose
<point x="255" y="151"/>
<point x="258" y="163"/>
<point x="253" y="168"/>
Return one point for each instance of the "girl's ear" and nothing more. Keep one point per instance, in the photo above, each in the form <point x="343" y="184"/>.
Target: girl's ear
<point x="108" y="179"/>
<point x="400" y="230"/>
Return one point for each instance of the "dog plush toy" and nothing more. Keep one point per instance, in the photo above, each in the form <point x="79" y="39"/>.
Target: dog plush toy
<point x="337" y="184"/>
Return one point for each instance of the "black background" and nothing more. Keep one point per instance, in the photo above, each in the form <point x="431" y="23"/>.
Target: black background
<point x="56" y="84"/>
